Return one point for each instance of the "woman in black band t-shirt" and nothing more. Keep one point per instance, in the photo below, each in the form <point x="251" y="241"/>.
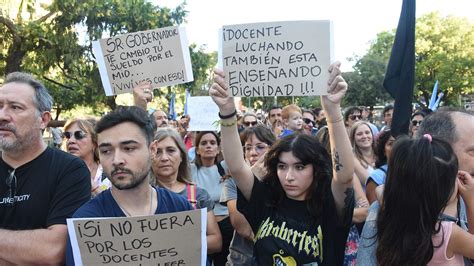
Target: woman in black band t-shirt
<point x="302" y="212"/>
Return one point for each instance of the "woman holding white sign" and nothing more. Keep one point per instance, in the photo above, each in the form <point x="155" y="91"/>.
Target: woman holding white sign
<point x="170" y="167"/>
<point x="302" y="212"/>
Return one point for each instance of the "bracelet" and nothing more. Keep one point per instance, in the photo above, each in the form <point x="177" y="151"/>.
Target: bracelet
<point x="228" y="116"/>
<point x="233" y="122"/>
<point x="334" y="121"/>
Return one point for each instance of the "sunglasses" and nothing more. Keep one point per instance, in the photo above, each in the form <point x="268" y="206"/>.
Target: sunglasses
<point x="354" y="117"/>
<point x="77" y="134"/>
<point x="416" y="122"/>
<point x="11" y="183"/>
<point x="308" y="121"/>
<point x="247" y="124"/>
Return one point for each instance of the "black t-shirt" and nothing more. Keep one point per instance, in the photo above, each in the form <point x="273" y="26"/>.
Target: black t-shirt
<point x="287" y="234"/>
<point x="49" y="189"/>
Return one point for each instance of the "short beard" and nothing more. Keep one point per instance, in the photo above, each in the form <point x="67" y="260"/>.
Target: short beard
<point x="137" y="178"/>
<point x="135" y="183"/>
<point x="18" y="144"/>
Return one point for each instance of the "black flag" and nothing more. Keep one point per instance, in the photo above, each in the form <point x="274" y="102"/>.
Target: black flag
<point x="400" y="76"/>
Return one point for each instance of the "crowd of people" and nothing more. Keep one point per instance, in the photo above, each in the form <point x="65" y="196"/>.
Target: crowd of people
<point x="291" y="187"/>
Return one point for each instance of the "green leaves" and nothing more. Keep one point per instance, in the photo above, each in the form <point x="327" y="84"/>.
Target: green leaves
<point x="444" y="52"/>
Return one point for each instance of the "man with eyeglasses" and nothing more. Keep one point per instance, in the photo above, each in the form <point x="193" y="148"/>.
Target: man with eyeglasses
<point x="39" y="186"/>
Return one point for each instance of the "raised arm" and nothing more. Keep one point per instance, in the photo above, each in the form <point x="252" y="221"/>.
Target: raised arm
<point x="142" y="94"/>
<point x="231" y="146"/>
<point x="342" y="158"/>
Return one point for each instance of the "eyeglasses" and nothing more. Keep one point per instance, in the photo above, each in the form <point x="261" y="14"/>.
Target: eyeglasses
<point x="258" y="148"/>
<point x="354" y="117"/>
<point x="11" y="183"/>
<point x="416" y="122"/>
<point x="247" y="124"/>
<point x="77" y="134"/>
<point x="308" y="121"/>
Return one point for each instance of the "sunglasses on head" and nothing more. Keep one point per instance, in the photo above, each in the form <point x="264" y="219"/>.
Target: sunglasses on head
<point x="308" y="121"/>
<point x="416" y="122"/>
<point x="77" y="134"/>
<point x="253" y="123"/>
<point x="354" y="117"/>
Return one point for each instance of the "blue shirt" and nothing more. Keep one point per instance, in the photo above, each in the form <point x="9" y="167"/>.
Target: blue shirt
<point x="378" y="175"/>
<point x="104" y="205"/>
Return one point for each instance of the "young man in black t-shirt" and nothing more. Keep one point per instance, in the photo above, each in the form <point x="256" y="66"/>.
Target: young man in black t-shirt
<point x="39" y="186"/>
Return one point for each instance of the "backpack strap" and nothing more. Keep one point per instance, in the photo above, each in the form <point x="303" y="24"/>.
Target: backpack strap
<point x="191" y="188"/>
<point x="220" y="169"/>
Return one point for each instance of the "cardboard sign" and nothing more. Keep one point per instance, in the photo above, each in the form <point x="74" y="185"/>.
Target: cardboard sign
<point x="203" y="112"/>
<point x="277" y="58"/>
<point x="160" y="56"/>
<point x="166" y="239"/>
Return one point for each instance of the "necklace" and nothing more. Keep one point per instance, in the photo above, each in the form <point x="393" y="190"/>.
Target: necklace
<point x="150" y="212"/>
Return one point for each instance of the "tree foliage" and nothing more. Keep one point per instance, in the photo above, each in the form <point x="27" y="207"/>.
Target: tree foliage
<point x="54" y="42"/>
<point x="444" y="52"/>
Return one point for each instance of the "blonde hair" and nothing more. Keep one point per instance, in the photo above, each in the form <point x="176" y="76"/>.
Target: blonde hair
<point x="287" y="110"/>
<point x="355" y="148"/>
<point x="87" y="125"/>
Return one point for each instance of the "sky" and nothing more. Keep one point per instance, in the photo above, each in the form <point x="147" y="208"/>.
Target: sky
<point x="355" y="22"/>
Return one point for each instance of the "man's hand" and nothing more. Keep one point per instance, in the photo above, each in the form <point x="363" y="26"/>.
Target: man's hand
<point x="142" y="94"/>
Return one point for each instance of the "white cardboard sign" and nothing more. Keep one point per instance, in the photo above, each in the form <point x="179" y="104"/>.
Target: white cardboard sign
<point x="277" y="58"/>
<point x="160" y="56"/>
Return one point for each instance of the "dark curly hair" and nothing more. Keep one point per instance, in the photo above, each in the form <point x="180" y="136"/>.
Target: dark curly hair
<point x="381" y="157"/>
<point x="308" y="151"/>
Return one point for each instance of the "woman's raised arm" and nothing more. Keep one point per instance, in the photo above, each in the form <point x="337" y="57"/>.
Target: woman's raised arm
<point x="231" y="146"/>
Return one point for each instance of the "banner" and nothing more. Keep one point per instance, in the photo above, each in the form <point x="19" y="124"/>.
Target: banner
<point x="167" y="239"/>
<point x="277" y="58"/>
<point x="160" y="56"/>
<point x="399" y="78"/>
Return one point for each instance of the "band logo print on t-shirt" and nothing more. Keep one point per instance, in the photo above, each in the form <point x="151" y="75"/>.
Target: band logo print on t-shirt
<point x="10" y="201"/>
<point x="311" y="245"/>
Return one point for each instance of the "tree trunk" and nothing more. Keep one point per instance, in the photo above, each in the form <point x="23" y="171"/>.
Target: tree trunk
<point x="14" y="58"/>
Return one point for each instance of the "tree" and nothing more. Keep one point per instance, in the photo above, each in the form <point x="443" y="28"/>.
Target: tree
<point x="50" y="44"/>
<point x="365" y="82"/>
<point x="444" y="52"/>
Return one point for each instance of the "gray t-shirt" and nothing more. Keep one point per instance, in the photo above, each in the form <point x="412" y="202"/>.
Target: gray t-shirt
<point x="209" y="179"/>
<point x="230" y="191"/>
<point x="202" y="197"/>
<point x="240" y="249"/>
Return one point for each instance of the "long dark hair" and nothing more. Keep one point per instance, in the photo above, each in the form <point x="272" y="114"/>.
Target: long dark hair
<point x="420" y="181"/>
<point x="309" y="151"/>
